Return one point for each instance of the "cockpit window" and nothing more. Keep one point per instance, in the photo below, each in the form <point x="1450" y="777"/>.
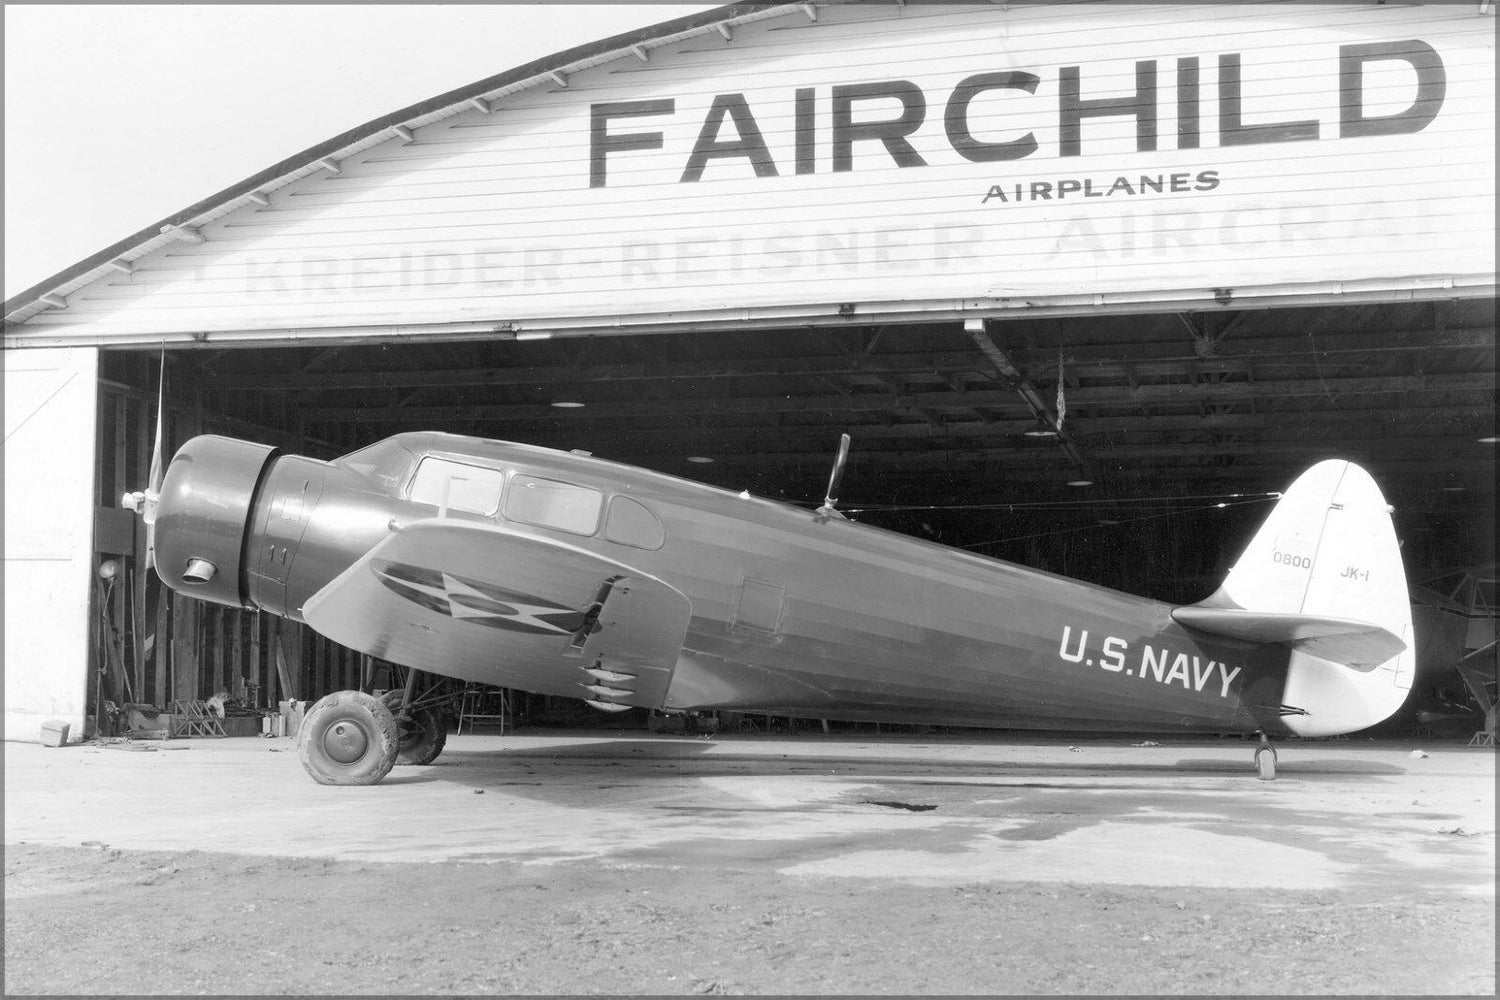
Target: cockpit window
<point x="630" y="523"/>
<point x="385" y="462"/>
<point x="551" y="504"/>
<point x="450" y="485"/>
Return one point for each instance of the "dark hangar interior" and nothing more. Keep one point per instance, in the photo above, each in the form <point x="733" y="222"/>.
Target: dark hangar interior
<point x="1182" y="425"/>
<point x="1165" y="416"/>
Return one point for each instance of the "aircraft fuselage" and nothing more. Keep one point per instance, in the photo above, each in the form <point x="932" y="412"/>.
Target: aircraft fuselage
<point x="792" y="612"/>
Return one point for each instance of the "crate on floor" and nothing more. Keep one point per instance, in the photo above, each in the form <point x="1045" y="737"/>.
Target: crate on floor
<point x="292" y="712"/>
<point x="191" y="718"/>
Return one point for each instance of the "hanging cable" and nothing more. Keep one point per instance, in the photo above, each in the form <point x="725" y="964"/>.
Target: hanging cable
<point x="874" y="508"/>
<point x="1134" y="520"/>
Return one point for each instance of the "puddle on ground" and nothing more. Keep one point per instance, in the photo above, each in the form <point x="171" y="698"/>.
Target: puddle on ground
<point x="1099" y="854"/>
<point x="1044" y="827"/>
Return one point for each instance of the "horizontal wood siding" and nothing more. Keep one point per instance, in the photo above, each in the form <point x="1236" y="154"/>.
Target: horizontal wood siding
<point x="492" y="217"/>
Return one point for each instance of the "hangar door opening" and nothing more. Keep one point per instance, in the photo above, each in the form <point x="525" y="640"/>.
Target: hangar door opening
<point x="1137" y="451"/>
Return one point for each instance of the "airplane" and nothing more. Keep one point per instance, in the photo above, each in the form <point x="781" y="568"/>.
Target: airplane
<point x="560" y="573"/>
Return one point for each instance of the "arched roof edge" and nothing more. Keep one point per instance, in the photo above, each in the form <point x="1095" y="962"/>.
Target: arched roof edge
<point x="545" y="64"/>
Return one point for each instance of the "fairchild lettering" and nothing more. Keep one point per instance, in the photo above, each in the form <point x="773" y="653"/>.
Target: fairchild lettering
<point x="886" y="123"/>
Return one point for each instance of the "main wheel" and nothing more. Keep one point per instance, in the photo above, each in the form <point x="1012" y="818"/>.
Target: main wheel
<point x="422" y="734"/>
<point x="348" y="738"/>
<point x="1265" y="763"/>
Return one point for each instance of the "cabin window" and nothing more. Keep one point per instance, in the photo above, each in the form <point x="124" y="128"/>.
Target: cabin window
<point x="759" y="609"/>
<point x="385" y="462"/>
<point x="547" y="503"/>
<point x="450" y="485"/>
<point x="630" y="523"/>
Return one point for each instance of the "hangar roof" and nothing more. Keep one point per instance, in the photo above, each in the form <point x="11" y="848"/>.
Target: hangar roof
<point x="950" y="415"/>
<point x="1418" y="255"/>
<point x="640" y="42"/>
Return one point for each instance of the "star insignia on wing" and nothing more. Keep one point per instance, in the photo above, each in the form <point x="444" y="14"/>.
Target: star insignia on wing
<point x="480" y="603"/>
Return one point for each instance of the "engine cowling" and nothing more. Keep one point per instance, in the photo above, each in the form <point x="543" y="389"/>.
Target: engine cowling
<point x="207" y="498"/>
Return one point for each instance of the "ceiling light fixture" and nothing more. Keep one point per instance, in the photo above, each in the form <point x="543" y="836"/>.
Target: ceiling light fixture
<point x="700" y="459"/>
<point x="1080" y="482"/>
<point x="1041" y="432"/>
<point x="1489" y="440"/>
<point x="568" y="404"/>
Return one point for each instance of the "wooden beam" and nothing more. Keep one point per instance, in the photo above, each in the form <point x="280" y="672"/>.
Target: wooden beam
<point x="945" y="399"/>
<point x="264" y="680"/>
<point x="186" y="662"/>
<point x="221" y="653"/>
<point x="320" y="666"/>
<point x="139" y="574"/>
<point x="285" y="673"/>
<point x="1114" y="434"/>
<point x="1443" y="452"/>
<point x="1101" y="360"/>
<point x="236" y="641"/>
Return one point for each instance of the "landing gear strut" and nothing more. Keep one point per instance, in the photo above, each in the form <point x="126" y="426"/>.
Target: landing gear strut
<point x="422" y="729"/>
<point x="421" y="718"/>
<point x="1265" y="759"/>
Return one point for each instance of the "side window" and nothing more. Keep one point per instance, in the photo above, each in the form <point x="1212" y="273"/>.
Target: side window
<point x="630" y="523"/>
<point x="456" y="486"/>
<point x="550" y="504"/>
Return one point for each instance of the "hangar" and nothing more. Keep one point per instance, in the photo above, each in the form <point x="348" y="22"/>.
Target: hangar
<point x="1084" y="282"/>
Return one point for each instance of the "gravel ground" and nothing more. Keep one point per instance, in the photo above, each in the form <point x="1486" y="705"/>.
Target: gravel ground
<point x="92" y="920"/>
<point x="559" y="863"/>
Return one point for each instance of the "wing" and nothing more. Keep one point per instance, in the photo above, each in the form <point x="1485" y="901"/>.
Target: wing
<point x="483" y="603"/>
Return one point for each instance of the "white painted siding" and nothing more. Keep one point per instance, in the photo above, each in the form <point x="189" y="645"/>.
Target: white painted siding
<point x="50" y="402"/>
<point x="492" y="219"/>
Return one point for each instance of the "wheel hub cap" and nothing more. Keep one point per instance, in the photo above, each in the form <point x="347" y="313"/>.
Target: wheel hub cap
<point x="345" y="742"/>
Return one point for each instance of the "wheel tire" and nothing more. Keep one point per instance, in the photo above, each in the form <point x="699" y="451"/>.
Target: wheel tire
<point x="423" y="738"/>
<point x="1265" y="763"/>
<point x="348" y="738"/>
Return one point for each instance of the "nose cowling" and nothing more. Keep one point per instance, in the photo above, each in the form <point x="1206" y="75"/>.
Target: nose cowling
<point x="206" y="502"/>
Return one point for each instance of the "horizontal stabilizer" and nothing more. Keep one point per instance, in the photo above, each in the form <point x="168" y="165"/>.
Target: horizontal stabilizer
<point x="1360" y="645"/>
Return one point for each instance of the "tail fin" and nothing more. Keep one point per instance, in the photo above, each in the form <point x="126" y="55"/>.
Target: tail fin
<point x="1324" y="576"/>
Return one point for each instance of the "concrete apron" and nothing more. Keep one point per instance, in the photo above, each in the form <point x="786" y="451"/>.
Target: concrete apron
<point x="932" y="810"/>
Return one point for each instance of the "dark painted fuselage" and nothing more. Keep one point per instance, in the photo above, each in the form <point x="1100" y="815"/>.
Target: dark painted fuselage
<point x="797" y="613"/>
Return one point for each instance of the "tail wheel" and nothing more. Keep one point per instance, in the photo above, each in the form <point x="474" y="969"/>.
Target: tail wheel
<point x="348" y="738"/>
<point x="1265" y="763"/>
<point x="422" y="731"/>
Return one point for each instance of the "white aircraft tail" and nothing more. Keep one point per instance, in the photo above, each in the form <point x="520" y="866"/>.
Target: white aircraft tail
<point x="1323" y="575"/>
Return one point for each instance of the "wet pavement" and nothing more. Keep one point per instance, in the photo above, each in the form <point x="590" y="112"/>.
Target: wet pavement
<point x="933" y="810"/>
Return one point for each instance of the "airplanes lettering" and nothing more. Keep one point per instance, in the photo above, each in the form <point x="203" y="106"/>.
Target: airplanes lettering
<point x="1161" y="665"/>
<point x="1355" y="573"/>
